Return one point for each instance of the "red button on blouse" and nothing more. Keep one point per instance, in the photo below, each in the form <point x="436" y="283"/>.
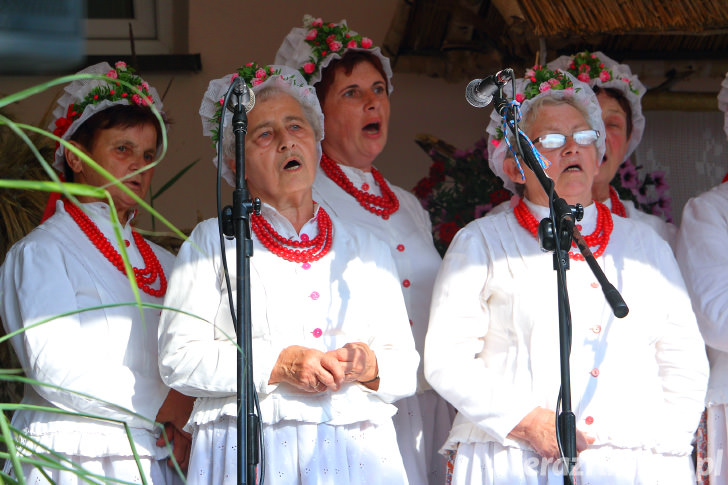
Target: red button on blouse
<point x="406" y="283"/>
<point x="400" y="247"/>
<point x="589" y="420"/>
<point x="595" y="372"/>
<point x="317" y="332"/>
<point x="315" y="295"/>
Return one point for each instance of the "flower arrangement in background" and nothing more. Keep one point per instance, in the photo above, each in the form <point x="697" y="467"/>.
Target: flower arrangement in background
<point x="459" y="188"/>
<point x="649" y="193"/>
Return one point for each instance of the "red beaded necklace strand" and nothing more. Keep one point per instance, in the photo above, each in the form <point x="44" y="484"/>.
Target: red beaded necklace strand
<point x="144" y="276"/>
<point x="287" y="248"/>
<point x="600" y="236"/>
<point x="617" y="206"/>
<point x="382" y="205"/>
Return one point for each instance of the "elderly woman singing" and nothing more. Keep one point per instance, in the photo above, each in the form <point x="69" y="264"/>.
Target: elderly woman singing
<point x="492" y="348"/>
<point x="331" y="341"/>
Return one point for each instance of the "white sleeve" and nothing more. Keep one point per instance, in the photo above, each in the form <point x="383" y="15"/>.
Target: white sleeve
<point x="702" y="251"/>
<point x="191" y="359"/>
<point x="459" y="323"/>
<point x="391" y="337"/>
<point x="65" y="352"/>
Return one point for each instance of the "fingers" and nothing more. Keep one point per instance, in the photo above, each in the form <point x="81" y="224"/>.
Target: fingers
<point x="583" y="441"/>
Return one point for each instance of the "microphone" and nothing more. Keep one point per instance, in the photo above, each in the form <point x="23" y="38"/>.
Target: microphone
<point x="479" y="92"/>
<point x="241" y="96"/>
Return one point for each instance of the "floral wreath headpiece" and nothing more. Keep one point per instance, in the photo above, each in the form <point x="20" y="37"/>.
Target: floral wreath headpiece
<point x="723" y="102"/>
<point x="85" y="97"/>
<point x="256" y="76"/>
<point x="312" y="47"/>
<point x="540" y="81"/>
<point x="597" y="69"/>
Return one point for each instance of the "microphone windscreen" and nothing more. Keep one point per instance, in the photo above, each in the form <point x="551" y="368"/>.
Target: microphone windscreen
<point x="473" y="97"/>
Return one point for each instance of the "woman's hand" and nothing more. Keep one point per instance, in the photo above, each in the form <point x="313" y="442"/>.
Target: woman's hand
<point x="174" y="413"/>
<point x="358" y="362"/>
<point x="538" y="429"/>
<point x="307" y="369"/>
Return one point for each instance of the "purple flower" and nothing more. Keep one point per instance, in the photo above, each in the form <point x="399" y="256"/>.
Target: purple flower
<point x="658" y="177"/>
<point x="629" y="176"/>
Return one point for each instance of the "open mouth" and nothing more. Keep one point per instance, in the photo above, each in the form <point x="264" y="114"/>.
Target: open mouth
<point x="573" y="168"/>
<point x="372" y="128"/>
<point x="292" y="165"/>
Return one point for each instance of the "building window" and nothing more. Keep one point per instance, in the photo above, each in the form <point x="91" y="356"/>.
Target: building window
<point x="152" y="23"/>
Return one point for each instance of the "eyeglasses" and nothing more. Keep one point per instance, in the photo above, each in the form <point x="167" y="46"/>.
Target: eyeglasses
<point x="557" y="140"/>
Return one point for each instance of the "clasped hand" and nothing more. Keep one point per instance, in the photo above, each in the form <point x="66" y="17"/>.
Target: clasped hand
<point x="312" y="370"/>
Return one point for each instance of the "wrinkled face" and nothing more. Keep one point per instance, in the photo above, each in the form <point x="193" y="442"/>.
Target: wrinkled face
<point x="573" y="166"/>
<point x="120" y="151"/>
<point x="280" y="150"/>
<point x="615" y="124"/>
<point x="356" y="113"/>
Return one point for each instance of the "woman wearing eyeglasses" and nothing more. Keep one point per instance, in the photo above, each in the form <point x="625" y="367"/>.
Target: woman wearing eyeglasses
<point x="492" y="348"/>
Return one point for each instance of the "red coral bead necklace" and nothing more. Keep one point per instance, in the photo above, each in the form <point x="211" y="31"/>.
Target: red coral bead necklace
<point x="382" y="205"/>
<point x="304" y="251"/>
<point x="144" y="276"/>
<point x="599" y="238"/>
<point x="617" y="205"/>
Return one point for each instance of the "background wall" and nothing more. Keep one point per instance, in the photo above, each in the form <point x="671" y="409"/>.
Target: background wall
<point x="228" y="33"/>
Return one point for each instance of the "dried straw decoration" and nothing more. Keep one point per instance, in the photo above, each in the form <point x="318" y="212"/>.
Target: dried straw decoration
<point x="575" y="17"/>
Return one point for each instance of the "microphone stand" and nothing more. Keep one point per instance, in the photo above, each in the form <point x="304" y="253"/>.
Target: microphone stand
<point x="555" y="234"/>
<point x="239" y="217"/>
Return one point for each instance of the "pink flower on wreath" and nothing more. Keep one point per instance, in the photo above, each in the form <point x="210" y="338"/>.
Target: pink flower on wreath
<point x="554" y="81"/>
<point x="583" y="77"/>
<point x="311" y="34"/>
<point x="317" y="22"/>
<point x="235" y="74"/>
<point x="366" y="42"/>
<point x="625" y="80"/>
<point x="256" y="81"/>
<point x="335" y="46"/>
<point x="584" y="68"/>
<point x="330" y="38"/>
<point x="543" y="87"/>
<point x="260" y="73"/>
<point x="533" y="79"/>
<point x="222" y="101"/>
<point x="309" y="67"/>
<point x="137" y="99"/>
<point x="520" y="97"/>
<point x="495" y="142"/>
<point x="145" y="85"/>
<point x="250" y="64"/>
<point x="351" y="44"/>
<point x="121" y="65"/>
<point x="530" y="73"/>
<point x="604" y="76"/>
<point x="112" y="74"/>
